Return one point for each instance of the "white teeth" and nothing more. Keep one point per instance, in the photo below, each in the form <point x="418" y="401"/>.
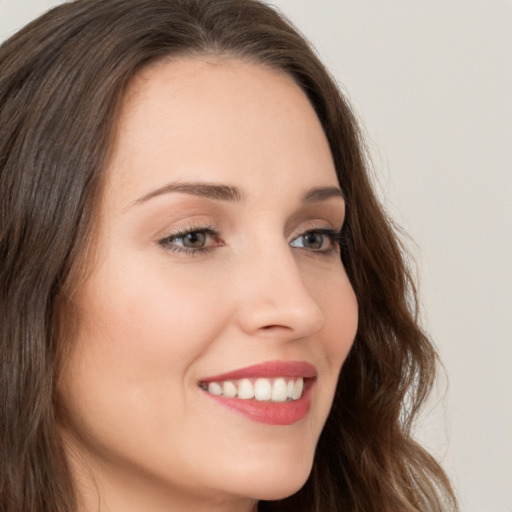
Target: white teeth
<point x="297" y="389"/>
<point x="229" y="389"/>
<point x="289" y="388"/>
<point x="262" y="389"/>
<point x="279" y="391"/>
<point x="215" y="388"/>
<point x="245" y="389"/>
<point x="275" y="390"/>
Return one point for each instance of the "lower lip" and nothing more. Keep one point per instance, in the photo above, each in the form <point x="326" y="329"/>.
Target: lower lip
<point x="271" y="413"/>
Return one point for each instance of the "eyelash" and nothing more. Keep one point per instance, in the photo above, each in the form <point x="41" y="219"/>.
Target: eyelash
<point x="166" y="242"/>
<point x="334" y="236"/>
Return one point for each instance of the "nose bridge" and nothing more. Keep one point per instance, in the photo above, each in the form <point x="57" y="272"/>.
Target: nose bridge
<point x="274" y="294"/>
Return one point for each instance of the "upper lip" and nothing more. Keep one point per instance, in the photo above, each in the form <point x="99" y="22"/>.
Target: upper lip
<point x="271" y="369"/>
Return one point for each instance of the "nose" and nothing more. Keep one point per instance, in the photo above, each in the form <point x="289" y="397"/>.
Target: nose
<point x="273" y="299"/>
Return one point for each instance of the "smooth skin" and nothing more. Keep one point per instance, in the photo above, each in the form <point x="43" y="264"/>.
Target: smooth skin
<point x="192" y="281"/>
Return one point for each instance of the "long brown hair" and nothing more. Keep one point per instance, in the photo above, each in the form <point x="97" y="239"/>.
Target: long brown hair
<point x="62" y="80"/>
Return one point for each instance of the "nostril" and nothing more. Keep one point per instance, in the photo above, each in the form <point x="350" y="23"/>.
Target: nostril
<point x="275" y="329"/>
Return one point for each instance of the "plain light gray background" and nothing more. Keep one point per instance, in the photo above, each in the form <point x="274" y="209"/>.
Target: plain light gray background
<point x="432" y="83"/>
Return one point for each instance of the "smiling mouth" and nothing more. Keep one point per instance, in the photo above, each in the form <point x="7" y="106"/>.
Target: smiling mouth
<point x="272" y="381"/>
<point x="280" y="389"/>
<point x="274" y="392"/>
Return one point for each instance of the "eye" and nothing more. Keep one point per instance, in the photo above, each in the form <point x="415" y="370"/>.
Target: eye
<point x="318" y="240"/>
<point x="191" y="241"/>
<point x="194" y="240"/>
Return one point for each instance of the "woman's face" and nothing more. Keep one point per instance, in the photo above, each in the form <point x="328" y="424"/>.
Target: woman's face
<point x="217" y="271"/>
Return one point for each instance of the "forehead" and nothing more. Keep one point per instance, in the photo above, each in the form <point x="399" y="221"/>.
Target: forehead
<point x="218" y="119"/>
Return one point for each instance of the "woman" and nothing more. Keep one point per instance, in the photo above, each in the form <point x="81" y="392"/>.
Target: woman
<point x="203" y="305"/>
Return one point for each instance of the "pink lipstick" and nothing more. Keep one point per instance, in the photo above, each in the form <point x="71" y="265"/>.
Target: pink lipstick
<point x="270" y="369"/>
<point x="277" y="392"/>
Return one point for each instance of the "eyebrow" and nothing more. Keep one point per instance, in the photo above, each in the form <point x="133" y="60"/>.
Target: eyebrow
<point x="318" y="194"/>
<point x="215" y="191"/>
<point x="221" y="192"/>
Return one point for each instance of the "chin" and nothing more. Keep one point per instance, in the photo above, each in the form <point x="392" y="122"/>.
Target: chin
<point x="280" y="490"/>
<point x="277" y="482"/>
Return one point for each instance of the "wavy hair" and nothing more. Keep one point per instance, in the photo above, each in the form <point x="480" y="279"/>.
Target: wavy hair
<point x="62" y="82"/>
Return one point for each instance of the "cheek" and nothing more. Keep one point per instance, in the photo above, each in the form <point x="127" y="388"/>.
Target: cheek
<point x="138" y="338"/>
<point x="336" y="298"/>
<point x="147" y="319"/>
<point x="129" y="372"/>
<point x="342" y="322"/>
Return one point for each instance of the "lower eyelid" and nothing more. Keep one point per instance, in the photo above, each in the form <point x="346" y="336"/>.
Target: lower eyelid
<point x="188" y="251"/>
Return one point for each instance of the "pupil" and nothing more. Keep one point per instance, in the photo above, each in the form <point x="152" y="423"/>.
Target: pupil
<point x="313" y="240"/>
<point x="195" y="239"/>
